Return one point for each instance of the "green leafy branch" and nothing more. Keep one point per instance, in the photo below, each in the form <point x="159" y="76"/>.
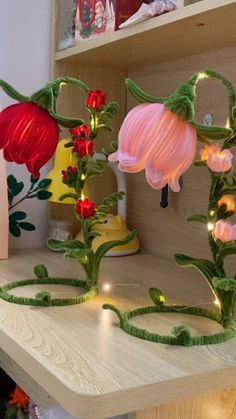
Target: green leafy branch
<point x="36" y="190"/>
<point x="109" y="202"/>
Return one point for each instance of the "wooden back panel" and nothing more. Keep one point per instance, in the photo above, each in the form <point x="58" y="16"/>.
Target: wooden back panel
<point x="166" y="231"/>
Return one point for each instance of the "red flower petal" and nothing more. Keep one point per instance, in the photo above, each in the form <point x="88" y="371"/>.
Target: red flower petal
<point x="30" y="135"/>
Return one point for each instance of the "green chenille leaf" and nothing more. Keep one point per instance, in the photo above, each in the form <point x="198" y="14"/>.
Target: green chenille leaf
<point x="43" y="296"/>
<point x="27" y="226"/>
<point x="110" y="201"/>
<point x="78" y="254"/>
<point x="140" y="95"/>
<point x="228" y="190"/>
<point x="112" y="149"/>
<point x="198" y="218"/>
<point x="68" y="195"/>
<point x="156" y="296"/>
<point x="110" y="110"/>
<point x="206" y="267"/>
<point x="64" y="245"/>
<point x="43" y="195"/>
<point x="11" y="182"/>
<point x="105" y="247"/>
<point x="183" y="333"/>
<point x="227" y="250"/>
<point x="44" y="183"/>
<point x="41" y="271"/>
<point x="69" y="144"/>
<point x="95" y="168"/>
<point x="17" y="215"/>
<point x="66" y="122"/>
<point x="226" y="284"/>
<point x="212" y="132"/>
<point x="104" y="126"/>
<point x="14" y="229"/>
<point x="13" y="93"/>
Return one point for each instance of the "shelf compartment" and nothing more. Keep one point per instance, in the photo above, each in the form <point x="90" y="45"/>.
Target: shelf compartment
<point x="189" y="30"/>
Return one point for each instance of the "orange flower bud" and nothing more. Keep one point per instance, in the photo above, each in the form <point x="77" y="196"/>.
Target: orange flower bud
<point x="227" y="200"/>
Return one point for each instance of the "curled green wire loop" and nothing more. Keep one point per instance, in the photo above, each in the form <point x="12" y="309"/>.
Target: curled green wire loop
<point x="47" y="97"/>
<point x="182" y="102"/>
<point x="181" y="335"/>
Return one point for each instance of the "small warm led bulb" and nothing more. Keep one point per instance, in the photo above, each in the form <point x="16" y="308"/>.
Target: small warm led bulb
<point x="212" y="212"/>
<point x="202" y="76"/>
<point x="82" y="196"/>
<point x="83" y="177"/>
<point x="210" y="226"/>
<point x="106" y="287"/>
<point x="217" y="303"/>
<point x="227" y="124"/>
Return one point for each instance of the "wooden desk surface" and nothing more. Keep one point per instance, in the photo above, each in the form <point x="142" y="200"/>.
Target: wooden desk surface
<point x="91" y="367"/>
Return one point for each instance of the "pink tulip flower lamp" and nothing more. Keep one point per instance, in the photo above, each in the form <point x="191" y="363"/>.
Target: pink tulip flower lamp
<point x="169" y="149"/>
<point x="29" y="133"/>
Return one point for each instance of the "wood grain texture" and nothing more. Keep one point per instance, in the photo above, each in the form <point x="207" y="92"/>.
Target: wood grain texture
<point x="92" y="368"/>
<point x="166" y="231"/>
<point x="158" y="39"/>
<point x="219" y="405"/>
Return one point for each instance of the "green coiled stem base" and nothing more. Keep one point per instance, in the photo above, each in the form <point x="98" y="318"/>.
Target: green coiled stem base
<point x="44" y="298"/>
<point x="181" y="334"/>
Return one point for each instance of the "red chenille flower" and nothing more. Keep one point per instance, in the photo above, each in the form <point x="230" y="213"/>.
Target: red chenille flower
<point x="28" y="134"/>
<point x="81" y="131"/>
<point x="19" y="398"/>
<point x="85" y="208"/>
<point x="96" y="99"/>
<point x="83" y="147"/>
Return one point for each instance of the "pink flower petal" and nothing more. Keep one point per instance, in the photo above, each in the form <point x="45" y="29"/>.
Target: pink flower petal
<point x="172" y="154"/>
<point x="137" y="136"/>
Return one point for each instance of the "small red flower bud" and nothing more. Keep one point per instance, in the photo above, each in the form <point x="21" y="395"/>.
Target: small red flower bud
<point x="72" y="170"/>
<point x="85" y="208"/>
<point x="83" y="147"/>
<point x="81" y="131"/>
<point x="64" y="174"/>
<point x="96" y="99"/>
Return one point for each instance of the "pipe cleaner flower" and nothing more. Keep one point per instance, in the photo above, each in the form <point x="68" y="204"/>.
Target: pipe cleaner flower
<point x="224" y="231"/>
<point x="85" y="208"/>
<point x="228" y="202"/>
<point x="81" y="131"/>
<point x="160" y="135"/>
<point x="29" y="130"/>
<point x="28" y="135"/>
<point x="83" y="147"/>
<point x="19" y="398"/>
<point x="96" y="99"/>
<point x="166" y="148"/>
<point x="217" y="160"/>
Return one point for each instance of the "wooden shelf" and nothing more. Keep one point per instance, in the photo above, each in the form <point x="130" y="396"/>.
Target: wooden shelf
<point x="189" y="30"/>
<point x="92" y="368"/>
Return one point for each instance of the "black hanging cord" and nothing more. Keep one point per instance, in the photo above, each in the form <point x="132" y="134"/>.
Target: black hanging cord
<point x="164" y="197"/>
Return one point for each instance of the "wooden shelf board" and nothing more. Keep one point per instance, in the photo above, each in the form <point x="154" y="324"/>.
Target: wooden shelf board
<point x="92" y="368"/>
<point x="189" y="30"/>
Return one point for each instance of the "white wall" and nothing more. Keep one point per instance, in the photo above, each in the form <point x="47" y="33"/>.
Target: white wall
<point x="25" y="63"/>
